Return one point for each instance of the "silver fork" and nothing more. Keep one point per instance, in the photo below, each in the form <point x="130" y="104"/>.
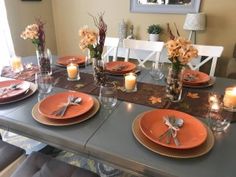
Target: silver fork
<point x="69" y="101"/>
<point x="9" y="89"/>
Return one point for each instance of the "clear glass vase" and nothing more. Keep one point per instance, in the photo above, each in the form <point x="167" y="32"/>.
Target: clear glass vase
<point x="44" y="58"/>
<point x="99" y="73"/>
<point x="174" y="84"/>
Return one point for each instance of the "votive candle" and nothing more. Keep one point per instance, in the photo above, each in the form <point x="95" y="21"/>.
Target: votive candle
<point x="230" y="97"/>
<point x="213" y="99"/>
<point x="16" y="64"/>
<point x="72" y="71"/>
<point x="130" y="82"/>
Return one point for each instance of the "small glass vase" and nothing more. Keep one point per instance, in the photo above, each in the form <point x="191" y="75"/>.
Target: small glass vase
<point x="44" y="58"/>
<point x="99" y="73"/>
<point x="174" y="84"/>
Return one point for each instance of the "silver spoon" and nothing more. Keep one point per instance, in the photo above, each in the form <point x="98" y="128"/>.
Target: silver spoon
<point x="78" y="100"/>
<point x="177" y="122"/>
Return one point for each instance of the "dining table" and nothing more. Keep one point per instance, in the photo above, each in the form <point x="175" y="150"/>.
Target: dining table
<point x="108" y="135"/>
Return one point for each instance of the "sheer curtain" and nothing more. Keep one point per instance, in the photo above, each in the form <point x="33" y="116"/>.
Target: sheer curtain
<point x="6" y="44"/>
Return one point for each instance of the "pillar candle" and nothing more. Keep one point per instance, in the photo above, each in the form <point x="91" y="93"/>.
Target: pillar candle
<point x="16" y="64"/>
<point x="130" y="81"/>
<point x="230" y="97"/>
<point x="72" y="71"/>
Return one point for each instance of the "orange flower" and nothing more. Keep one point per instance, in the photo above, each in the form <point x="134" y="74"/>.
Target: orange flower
<point x="193" y="95"/>
<point x="180" y="49"/>
<point x="155" y="100"/>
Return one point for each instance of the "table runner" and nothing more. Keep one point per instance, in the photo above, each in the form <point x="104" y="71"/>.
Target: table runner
<point x="194" y="102"/>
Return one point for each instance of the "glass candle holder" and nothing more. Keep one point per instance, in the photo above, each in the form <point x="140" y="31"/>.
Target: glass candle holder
<point x="16" y="64"/>
<point x="73" y="72"/>
<point x="230" y="99"/>
<point x="130" y="82"/>
<point x="217" y="121"/>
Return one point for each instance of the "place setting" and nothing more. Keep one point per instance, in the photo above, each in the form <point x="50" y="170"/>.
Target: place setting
<point x="120" y="68"/>
<point x="65" y="108"/>
<point x="197" y="79"/>
<point x="66" y="60"/>
<point x="15" y="90"/>
<point x="173" y="133"/>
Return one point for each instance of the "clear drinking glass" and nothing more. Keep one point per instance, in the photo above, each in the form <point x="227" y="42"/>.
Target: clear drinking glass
<point x="108" y="95"/>
<point x="218" y="121"/>
<point x="44" y="82"/>
<point x="157" y="71"/>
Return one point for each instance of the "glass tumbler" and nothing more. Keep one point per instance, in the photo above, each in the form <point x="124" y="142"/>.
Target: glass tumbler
<point x="44" y="82"/>
<point x="218" y="120"/>
<point x="108" y="95"/>
<point x="157" y="71"/>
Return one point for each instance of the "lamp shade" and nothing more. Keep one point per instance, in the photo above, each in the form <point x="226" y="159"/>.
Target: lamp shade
<point x="195" y="22"/>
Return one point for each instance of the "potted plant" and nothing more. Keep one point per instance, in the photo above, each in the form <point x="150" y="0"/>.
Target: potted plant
<point x="154" y="31"/>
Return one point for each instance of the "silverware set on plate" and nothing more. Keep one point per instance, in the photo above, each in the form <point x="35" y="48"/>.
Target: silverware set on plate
<point x="7" y="90"/>
<point x="71" y="100"/>
<point x="174" y="124"/>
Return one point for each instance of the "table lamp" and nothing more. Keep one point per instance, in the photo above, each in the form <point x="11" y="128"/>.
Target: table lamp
<point x="195" y="22"/>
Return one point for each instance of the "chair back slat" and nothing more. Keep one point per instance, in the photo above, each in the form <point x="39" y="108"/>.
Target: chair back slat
<point x="211" y="52"/>
<point x="132" y="44"/>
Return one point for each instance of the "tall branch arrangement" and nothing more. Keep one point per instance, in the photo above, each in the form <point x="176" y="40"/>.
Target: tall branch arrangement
<point x="93" y="40"/>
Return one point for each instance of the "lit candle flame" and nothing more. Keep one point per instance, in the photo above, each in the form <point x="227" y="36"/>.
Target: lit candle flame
<point x="215" y="107"/>
<point x="213" y="99"/>
<point x="234" y="91"/>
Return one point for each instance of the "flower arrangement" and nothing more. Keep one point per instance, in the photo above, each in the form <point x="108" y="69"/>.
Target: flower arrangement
<point x="180" y="51"/>
<point x="35" y="33"/>
<point x="93" y="40"/>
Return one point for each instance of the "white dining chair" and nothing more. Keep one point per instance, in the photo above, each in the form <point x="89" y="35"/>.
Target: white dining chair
<point x="211" y="53"/>
<point x="111" y="45"/>
<point x="155" y="47"/>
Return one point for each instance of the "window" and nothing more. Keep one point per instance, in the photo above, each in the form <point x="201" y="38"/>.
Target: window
<point x="6" y="44"/>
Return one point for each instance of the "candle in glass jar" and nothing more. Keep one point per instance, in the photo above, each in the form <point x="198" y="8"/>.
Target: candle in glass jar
<point x="72" y="71"/>
<point x="215" y="107"/>
<point x="130" y="81"/>
<point x="16" y="64"/>
<point x="213" y="99"/>
<point x="230" y="97"/>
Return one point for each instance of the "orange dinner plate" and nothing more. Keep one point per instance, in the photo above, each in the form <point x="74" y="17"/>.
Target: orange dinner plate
<point x="54" y="102"/>
<point x="192" y="134"/>
<point x="67" y="59"/>
<point x="199" y="77"/>
<point x="22" y="87"/>
<point x="120" y="67"/>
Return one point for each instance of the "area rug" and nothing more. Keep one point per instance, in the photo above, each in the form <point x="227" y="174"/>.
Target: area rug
<point x="30" y="145"/>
